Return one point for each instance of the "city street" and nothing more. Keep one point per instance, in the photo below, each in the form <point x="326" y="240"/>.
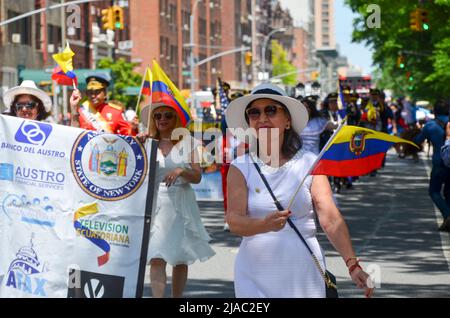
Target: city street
<point x="393" y="225"/>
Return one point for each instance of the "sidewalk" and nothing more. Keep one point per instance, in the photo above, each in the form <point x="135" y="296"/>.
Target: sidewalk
<point x="393" y="225"/>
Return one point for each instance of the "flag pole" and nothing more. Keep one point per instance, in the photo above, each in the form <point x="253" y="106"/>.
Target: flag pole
<point x="317" y="160"/>
<point x="140" y="93"/>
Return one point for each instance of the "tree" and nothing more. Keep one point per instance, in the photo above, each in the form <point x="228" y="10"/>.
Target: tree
<point x="427" y="54"/>
<point x="123" y="76"/>
<point x="281" y="65"/>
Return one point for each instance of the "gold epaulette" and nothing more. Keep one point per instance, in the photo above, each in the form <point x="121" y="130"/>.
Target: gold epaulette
<point x="116" y="107"/>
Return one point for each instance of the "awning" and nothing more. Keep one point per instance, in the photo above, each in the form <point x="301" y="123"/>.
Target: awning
<point x="40" y="77"/>
<point x="131" y="90"/>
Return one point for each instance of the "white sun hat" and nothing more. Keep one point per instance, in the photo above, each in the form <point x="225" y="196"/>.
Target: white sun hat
<point x="235" y="113"/>
<point x="27" y="88"/>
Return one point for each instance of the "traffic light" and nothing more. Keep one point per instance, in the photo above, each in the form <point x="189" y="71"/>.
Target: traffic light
<point x="248" y="58"/>
<point x="424" y="22"/>
<point x="400" y="61"/>
<point x="409" y="77"/>
<point x="315" y="75"/>
<point x="118" y="17"/>
<point x="107" y="19"/>
<point x="419" y="21"/>
<point x="414" y="21"/>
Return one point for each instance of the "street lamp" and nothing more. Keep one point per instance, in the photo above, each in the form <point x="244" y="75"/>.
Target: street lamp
<point x="264" y="48"/>
<point x="191" y="59"/>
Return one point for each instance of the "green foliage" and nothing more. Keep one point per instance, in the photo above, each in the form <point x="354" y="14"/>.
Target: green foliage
<point x="427" y="54"/>
<point x="281" y="65"/>
<point x="123" y="76"/>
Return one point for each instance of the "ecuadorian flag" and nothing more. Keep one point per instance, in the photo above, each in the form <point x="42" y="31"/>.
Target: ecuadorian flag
<point x="355" y="151"/>
<point x="147" y="84"/>
<point x="63" y="74"/>
<point x="165" y="92"/>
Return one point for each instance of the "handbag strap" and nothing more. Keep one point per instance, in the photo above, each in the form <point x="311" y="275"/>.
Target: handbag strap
<point x="325" y="277"/>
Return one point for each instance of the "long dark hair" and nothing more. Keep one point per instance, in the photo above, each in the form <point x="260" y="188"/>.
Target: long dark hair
<point x="42" y="113"/>
<point x="292" y="142"/>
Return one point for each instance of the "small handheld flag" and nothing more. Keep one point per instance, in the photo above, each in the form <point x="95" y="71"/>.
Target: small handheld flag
<point x="351" y="151"/>
<point x="63" y="74"/>
<point x="222" y="97"/>
<point x="355" y="151"/>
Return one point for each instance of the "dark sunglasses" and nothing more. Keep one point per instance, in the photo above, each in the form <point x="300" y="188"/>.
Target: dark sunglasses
<point x="167" y="115"/>
<point x="27" y="105"/>
<point x="94" y="91"/>
<point x="270" y="111"/>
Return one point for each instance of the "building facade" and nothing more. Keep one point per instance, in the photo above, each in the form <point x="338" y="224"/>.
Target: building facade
<point x="161" y="30"/>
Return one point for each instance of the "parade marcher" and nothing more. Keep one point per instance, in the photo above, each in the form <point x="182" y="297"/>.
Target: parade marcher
<point x="177" y="236"/>
<point x="376" y="112"/>
<point x="317" y="124"/>
<point x="445" y="150"/>
<point x="27" y="101"/>
<point x="272" y="261"/>
<point x="376" y="115"/>
<point x="435" y="131"/>
<point x="351" y="108"/>
<point x="96" y="113"/>
<point x="330" y="111"/>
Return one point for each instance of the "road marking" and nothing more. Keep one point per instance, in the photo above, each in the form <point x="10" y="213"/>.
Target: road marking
<point x="445" y="237"/>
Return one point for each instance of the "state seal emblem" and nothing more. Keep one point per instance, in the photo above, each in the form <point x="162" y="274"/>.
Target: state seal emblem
<point x="108" y="167"/>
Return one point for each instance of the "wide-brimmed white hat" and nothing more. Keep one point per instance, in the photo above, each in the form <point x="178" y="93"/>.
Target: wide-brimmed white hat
<point x="235" y="113"/>
<point x="27" y="88"/>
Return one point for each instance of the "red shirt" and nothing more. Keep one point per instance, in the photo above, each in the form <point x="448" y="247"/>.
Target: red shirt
<point x="113" y="117"/>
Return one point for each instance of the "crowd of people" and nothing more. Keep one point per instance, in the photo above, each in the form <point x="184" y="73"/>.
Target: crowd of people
<point x="272" y="261"/>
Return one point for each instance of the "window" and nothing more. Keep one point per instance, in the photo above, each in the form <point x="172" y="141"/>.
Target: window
<point x="9" y="75"/>
<point x="54" y="36"/>
<point x="22" y="27"/>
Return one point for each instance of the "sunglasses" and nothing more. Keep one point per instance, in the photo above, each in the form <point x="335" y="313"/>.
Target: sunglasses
<point x="27" y="105"/>
<point x="270" y="111"/>
<point x="166" y="115"/>
<point x="94" y="91"/>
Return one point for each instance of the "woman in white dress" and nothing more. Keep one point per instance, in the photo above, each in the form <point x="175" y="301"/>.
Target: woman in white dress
<point x="177" y="236"/>
<point x="272" y="261"/>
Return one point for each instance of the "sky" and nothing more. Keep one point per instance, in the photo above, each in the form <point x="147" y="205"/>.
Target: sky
<point x="357" y="53"/>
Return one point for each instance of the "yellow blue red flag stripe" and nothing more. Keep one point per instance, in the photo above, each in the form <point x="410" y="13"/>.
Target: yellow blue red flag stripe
<point x="63" y="74"/>
<point x="147" y="85"/>
<point x="165" y="92"/>
<point x="355" y="151"/>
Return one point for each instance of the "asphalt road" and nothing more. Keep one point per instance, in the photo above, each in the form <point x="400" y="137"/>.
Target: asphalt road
<point x="393" y="225"/>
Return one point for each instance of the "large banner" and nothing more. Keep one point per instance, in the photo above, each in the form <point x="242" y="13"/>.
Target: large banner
<point x="73" y="219"/>
<point x="210" y="188"/>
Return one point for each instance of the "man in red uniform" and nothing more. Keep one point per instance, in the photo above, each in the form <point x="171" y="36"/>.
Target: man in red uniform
<point x="96" y="113"/>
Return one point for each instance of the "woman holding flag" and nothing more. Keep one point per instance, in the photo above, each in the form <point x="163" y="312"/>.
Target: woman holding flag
<point x="177" y="235"/>
<point x="272" y="261"/>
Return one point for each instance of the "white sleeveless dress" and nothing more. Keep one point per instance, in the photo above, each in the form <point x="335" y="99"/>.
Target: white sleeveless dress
<point x="277" y="264"/>
<point x="177" y="233"/>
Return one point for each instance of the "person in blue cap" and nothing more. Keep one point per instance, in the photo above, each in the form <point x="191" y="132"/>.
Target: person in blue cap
<point x="96" y="113"/>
